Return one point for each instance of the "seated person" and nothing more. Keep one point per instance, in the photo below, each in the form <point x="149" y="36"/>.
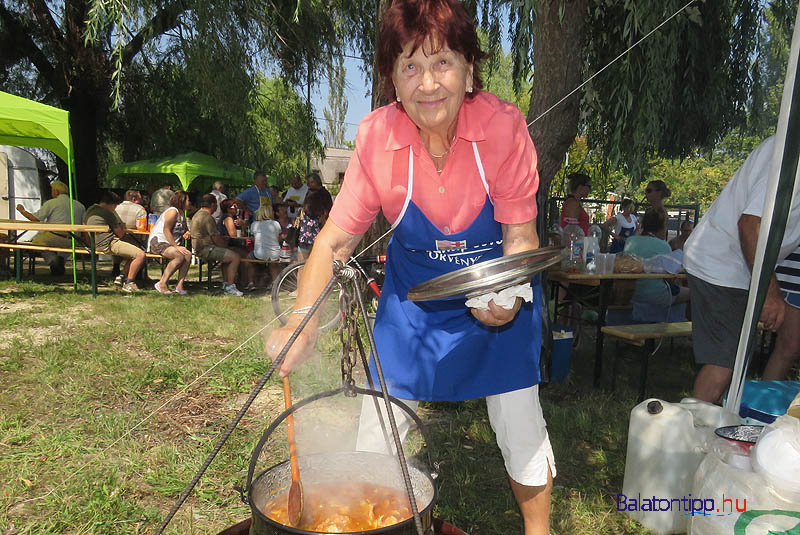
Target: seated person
<point x="56" y="210"/>
<point x="267" y="238"/>
<point x="170" y="227"/>
<point x="231" y="220"/>
<point x="658" y="292"/>
<point x="103" y="213"/>
<point x="678" y="241"/>
<point x="210" y="246"/>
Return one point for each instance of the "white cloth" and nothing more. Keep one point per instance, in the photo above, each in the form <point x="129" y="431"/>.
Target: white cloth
<point x="266" y="239"/>
<point x="297" y="195"/>
<point x="217" y="214"/>
<point x="622" y="223"/>
<point x="505" y="298"/>
<point x="56" y="210"/>
<point x="516" y="418"/>
<point x="713" y="252"/>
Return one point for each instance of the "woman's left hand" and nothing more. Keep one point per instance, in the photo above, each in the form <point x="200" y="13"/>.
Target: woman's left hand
<point x="497" y="315"/>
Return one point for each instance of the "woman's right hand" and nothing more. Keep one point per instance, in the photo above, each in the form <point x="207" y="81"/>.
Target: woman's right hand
<point x="300" y="351"/>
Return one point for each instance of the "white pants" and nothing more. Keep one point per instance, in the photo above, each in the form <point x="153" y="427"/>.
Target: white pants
<point x="516" y="418"/>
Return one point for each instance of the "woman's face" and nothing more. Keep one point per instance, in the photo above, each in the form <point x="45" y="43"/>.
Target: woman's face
<point x="583" y="190"/>
<point x="431" y="86"/>
<point x="652" y="193"/>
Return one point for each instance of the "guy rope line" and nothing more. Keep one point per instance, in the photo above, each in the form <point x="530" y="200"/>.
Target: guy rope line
<point x="634" y="45"/>
<point x="170" y="400"/>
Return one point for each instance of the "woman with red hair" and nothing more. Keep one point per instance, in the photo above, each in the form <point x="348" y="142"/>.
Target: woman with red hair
<point x="453" y="168"/>
<point x="164" y="239"/>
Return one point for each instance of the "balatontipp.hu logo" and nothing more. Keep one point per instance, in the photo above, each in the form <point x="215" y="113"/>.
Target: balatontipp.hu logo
<point x="686" y="505"/>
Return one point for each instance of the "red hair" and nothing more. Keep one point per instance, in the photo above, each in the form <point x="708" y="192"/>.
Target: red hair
<point x="178" y="200"/>
<point x="445" y="22"/>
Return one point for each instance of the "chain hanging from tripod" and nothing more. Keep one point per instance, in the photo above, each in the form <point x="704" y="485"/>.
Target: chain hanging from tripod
<point x="348" y="331"/>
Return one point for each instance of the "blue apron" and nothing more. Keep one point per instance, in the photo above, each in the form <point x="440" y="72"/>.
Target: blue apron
<point x="436" y="350"/>
<point x="617" y="246"/>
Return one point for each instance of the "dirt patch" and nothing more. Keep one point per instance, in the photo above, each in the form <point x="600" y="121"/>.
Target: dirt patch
<point x="192" y="412"/>
<point x="37" y="335"/>
<point x="9" y="307"/>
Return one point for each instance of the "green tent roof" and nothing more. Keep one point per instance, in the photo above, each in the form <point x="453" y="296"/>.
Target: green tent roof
<point x="31" y="124"/>
<point x="187" y="167"/>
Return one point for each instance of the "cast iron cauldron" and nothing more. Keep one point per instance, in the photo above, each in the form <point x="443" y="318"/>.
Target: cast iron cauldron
<point x="337" y="467"/>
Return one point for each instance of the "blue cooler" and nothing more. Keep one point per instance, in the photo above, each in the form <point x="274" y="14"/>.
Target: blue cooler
<point x="562" y="352"/>
<point x="764" y="401"/>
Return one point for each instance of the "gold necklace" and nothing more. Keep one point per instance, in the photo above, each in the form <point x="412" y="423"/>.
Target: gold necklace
<point x="442" y="155"/>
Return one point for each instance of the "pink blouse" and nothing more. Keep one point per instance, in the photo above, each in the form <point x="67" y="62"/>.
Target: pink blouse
<point x="377" y="175"/>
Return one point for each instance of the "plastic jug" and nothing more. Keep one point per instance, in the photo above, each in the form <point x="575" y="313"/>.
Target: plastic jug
<point x="572" y="238"/>
<point x="737" y="500"/>
<point x="666" y="443"/>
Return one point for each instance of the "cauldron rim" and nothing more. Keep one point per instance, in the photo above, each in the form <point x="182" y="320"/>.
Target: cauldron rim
<point x="427" y="510"/>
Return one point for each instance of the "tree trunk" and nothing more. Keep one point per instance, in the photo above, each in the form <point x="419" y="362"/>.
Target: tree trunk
<point x="379" y="226"/>
<point x="86" y="121"/>
<point x="558" y="69"/>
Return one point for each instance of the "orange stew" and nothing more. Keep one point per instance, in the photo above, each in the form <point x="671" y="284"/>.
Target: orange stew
<point x="341" y="508"/>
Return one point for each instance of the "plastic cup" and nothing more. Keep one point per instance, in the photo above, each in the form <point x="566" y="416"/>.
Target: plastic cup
<point x="605" y="263"/>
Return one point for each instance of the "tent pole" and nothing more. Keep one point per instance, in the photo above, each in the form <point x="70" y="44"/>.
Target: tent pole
<point x="72" y="215"/>
<point x="777" y="204"/>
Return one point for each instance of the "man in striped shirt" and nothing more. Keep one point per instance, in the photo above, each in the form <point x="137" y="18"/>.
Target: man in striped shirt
<point x="787" y="346"/>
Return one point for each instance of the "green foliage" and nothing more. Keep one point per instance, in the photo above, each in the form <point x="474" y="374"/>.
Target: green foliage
<point x="285" y="128"/>
<point x="497" y="76"/>
<point x="701" y="177"/>
<point x="680" y="88"/>
<point x="336" y="111"/>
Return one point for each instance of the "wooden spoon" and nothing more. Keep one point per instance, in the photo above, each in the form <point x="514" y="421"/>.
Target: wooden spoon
<point x="295" y="502"/>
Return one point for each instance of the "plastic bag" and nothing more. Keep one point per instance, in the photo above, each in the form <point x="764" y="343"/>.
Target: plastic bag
<point x="665" y="263"/>
<point x="776" y="456"/>
<point x="628" y="263"/>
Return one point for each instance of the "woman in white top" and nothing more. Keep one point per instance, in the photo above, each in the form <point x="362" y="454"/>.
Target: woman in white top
<point x="171" y="227"/>
<point x="621" y="226"/>
<point x="266" y="238"/>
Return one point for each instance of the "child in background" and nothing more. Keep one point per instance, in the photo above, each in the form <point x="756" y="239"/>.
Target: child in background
<point x="266" y="237"/>
<point x="312" y="218"/>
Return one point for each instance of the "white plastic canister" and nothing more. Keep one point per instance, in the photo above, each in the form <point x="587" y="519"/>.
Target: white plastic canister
<point x="666" y="443"/>
<point x="730" y="493"/>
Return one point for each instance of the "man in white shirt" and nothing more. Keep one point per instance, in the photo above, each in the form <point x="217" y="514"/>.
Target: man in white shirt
<point x="56" y="210"/>
<point x="295" y="196"/>
<point x="718" y="257"/>
<point x="218" y="191"/>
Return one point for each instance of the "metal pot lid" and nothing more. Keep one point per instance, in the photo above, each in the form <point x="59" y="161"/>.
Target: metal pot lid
<point x="740" y="433"/>
<point x="490" y="276"/>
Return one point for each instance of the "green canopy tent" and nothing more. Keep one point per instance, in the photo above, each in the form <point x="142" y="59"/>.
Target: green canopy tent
<point x="28" y="123"/>
<point x="188" y="168"/>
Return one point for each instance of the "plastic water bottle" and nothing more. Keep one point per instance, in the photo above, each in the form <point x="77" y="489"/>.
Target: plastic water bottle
<point x="286" y="254"/>
<point x="591" y="247"/>
<point x="573" y="236"/>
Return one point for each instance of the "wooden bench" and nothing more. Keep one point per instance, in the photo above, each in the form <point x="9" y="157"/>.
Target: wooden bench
<point x="644" y="334"/>
<point x="212" y="265"/>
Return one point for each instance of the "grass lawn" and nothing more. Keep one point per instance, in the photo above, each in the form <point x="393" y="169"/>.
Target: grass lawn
<point x="78" y="377"/>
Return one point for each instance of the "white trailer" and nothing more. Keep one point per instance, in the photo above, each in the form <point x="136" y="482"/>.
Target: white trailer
<point x="21" y="177"/>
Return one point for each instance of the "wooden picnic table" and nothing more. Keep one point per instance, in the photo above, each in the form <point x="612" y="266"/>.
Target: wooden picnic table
<point x="603" y="281"/>
<point x="74" y="230"/>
